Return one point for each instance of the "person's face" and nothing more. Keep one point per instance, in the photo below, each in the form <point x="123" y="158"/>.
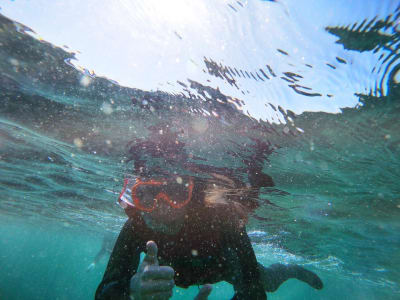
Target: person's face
<point x="163" y="212"/>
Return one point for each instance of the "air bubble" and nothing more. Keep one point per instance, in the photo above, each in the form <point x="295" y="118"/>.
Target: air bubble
<point x="286" y="130"/>
<point x="78" y="142"/>
<point x="85" y="81"/>
<point x="106" y="108"/>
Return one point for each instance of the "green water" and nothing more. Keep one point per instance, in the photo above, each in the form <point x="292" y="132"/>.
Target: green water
<point x="48" y="261"/>
<point x="321" y="95"/>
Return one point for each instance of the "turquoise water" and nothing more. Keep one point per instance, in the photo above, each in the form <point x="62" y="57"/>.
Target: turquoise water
<point x="317" y="85"/>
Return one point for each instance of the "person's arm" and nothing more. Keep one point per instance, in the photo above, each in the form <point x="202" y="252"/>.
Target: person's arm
<point x="247" y="284"/>
<point x="101" y="252"/>
<point x="96" y="260"/>
<point x="123" y="263"/>
<point x="106" y="248"/>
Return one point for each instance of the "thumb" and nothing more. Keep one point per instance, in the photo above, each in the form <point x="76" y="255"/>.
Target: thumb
<point x="151" y="254"/>
<point x="204" y="292"/>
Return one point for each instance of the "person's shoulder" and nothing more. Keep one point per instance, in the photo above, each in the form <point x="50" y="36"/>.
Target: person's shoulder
<point x="137" y="223"/>
<point x="135" y="226"/>
<point x="221" y="218"/>
<point x="133" y="232"/>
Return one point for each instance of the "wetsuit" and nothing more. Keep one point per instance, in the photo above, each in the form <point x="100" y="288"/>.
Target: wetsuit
<point x="207" y="252"/>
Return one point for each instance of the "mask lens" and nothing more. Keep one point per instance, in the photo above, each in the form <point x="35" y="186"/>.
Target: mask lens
<point x="175" y="191"/>
<point x="178" y="190"/>
<point x="147" y="195"/>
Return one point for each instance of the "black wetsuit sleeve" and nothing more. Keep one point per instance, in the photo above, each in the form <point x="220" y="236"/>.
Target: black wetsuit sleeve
<point x="123" y="263"/>
<point x="247" y="282"/>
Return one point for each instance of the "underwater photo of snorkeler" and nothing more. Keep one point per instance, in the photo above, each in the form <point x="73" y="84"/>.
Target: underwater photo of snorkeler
<point x="191" y="227"/>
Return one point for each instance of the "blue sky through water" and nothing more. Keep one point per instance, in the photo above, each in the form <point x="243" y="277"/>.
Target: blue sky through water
<point x="151" y="44"/>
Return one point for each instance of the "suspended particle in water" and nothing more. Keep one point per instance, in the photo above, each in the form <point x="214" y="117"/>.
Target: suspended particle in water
<point x="286" y="130"/>
<point x="387" y="136"/>
<point x="179" y="180"/>
<point x="195" y="252"/>
<point x="78" y="142"/>
<point x="200" y="125"/>
<point x="85" y="81"/>
<point x="14" y="62"/>
<point x="106" y="108"/>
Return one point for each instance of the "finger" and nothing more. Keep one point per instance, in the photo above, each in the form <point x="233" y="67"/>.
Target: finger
<point x="155" y="286"/>
<point x="204" y="292"/>
<point x="151" y="253"/>
<point x="156" y="272"/>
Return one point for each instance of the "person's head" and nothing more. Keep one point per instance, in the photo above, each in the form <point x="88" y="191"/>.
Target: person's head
<point x="165" y="188"/>
<point x="153" y="190"/>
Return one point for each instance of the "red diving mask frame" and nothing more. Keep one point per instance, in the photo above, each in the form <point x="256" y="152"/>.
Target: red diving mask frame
<point x="145" y="194"/>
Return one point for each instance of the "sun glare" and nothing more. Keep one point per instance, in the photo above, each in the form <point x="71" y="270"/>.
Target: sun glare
<point x="176" y="11"/>
<point x="179" y="12"/>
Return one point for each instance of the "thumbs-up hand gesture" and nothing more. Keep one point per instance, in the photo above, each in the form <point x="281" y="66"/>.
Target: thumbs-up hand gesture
<point x="151" y="280"/>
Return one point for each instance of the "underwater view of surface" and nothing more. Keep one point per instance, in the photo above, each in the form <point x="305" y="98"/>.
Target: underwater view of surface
<point x="308" y="89"/>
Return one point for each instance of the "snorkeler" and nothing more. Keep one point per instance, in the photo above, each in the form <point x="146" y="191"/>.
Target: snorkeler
<point x="193" y="232"/>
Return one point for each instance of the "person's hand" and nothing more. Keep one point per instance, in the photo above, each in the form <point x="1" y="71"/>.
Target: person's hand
<point x="90" y="267"/>
<point x="204" y="292"/>
<point x="151" y="280"/>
